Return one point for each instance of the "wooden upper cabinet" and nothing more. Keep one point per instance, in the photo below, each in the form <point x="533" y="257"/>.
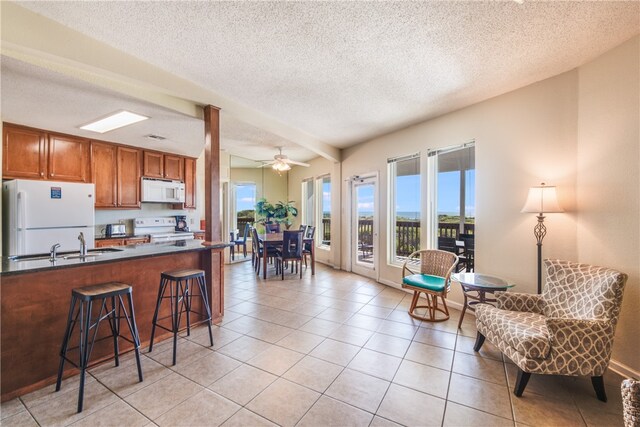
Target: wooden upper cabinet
<point x="173" y="167"/>
<point x="69" y="159"/>
<point x="129" y="175"/>
<point x="104" y="174"/>
<point x="153" y="164"/>
<point x="24" y="153"/>
<point x="189" y="183"/>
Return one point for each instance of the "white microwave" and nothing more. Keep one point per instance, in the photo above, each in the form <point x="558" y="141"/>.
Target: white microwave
<point x="162" y="191"/>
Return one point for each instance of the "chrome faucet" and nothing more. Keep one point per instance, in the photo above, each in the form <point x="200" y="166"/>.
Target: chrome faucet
<point x="83" y="245"/>
<point x="53" y="252"/>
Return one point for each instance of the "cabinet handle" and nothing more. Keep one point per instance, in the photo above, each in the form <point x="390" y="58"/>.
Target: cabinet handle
<point x="53" y="174"/>
<point x="41" y="173"/>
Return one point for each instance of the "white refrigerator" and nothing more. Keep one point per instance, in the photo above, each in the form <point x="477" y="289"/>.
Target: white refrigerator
<point x="39" y="214"/>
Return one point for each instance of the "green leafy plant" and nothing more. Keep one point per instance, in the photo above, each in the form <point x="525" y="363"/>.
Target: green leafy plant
<point x="281" y="212"/>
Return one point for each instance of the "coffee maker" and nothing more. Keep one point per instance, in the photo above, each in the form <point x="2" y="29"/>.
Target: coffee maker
<point x="181" y="223"/>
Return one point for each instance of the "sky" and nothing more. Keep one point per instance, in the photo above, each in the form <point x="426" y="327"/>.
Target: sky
<point x="408" y="195"/>
<point x="245" y="197"/>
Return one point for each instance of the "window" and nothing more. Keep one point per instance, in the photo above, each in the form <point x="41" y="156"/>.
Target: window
<point x="451" y="217"/>
<point x="323" y="226"/>
<point x="307" y="202"/>
<point x="245" y="203"/>
<point x="404" y="207"/>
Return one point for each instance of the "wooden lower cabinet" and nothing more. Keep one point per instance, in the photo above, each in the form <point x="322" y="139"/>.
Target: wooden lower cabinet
<point x="136" y="240"/>
<point x="121" y="241"/>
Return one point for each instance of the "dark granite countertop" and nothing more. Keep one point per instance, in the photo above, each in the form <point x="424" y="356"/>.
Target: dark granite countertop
<point x="128" y="252"/>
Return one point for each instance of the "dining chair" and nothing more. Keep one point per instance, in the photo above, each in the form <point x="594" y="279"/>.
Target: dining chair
<point x="242" y="242"/>
<point x="291" y="251"/>
<point x="259" y="251"/>
<point x="309" y="233"/>
<point x="428" y="271"/>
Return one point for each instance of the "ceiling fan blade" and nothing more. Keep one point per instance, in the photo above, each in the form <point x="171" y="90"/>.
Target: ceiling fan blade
<point x="293" y="162"/>
<point x="266" y="164"/>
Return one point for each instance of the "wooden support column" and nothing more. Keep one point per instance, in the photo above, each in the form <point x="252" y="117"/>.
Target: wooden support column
<point x="214" y="259"/>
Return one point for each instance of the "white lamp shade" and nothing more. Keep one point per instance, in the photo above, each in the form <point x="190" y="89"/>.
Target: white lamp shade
<point x="542" y="199"/>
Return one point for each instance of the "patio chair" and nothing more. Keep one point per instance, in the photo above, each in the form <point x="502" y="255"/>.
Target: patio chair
<point x="291" y="251"/>
<point x="567" y="330"/>
<point x="428" y="271"/>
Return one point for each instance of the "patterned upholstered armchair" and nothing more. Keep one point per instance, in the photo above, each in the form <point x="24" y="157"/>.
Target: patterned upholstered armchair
<point x="568" y="330"/>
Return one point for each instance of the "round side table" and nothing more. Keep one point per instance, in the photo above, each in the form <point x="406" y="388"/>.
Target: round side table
<point x="480" y="283"/>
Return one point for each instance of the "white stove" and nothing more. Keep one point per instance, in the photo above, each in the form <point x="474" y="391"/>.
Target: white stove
<point x="160" y="230"/>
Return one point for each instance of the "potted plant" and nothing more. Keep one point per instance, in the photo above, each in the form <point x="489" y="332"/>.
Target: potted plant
<point x="281" y="212"/>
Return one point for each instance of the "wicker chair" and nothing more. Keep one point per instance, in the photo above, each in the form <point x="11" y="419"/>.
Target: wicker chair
<point x="631" y="402"/>
<point x="428" y="271"/>
<point x="568" y="330"/>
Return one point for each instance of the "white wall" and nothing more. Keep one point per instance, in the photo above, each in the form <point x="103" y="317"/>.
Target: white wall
<point x="269" y="184"/>
<point x="579" y="131"/>
<point x="522" y="138"/>
<point x="320" y="166"/>
<point x="608" y="179"/>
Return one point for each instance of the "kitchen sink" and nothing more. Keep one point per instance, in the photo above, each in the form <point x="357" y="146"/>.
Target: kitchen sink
<point x="78" y="256"/>
<point x="65" y="255"/>
<point x="104" y="250"/>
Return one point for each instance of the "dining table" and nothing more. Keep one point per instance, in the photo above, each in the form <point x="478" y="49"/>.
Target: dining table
<point x="275" y="240"/>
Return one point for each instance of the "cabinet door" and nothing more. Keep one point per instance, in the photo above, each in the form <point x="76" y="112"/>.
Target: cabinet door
<point x="136" y="241"/>
<point x="153" y="165"/>
<point x="104" y="174"/>
<point x="104" y="243"/>
<point x="173" y="167"/>
<point x="24" y="153"/>
<point x="129" y="177"/>
<point x="189" y="183"/>
<point x="69" y="159"/>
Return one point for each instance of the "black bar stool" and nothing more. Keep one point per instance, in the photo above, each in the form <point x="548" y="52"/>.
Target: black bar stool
<point x="180" y="284"/>
<point x="83" y="298"/>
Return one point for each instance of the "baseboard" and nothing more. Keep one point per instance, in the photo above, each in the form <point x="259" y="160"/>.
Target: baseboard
<point x="623" y="370"/>
<point x="452" y="304"/>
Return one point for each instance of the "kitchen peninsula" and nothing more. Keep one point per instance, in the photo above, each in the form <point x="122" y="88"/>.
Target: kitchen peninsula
<point x="36" y="294"/>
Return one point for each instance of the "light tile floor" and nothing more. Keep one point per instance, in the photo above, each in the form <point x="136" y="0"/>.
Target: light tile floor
<point x="332" y="349"/>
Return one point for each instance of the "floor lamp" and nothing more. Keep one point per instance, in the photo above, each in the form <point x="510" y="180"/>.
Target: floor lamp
<point x="541" y="199"/>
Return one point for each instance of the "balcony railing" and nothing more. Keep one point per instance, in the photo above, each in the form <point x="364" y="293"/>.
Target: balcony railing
<point x="408" y="234"/>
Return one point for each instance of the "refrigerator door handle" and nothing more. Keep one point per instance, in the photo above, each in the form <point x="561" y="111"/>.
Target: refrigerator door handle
<point x="22" y="219"/>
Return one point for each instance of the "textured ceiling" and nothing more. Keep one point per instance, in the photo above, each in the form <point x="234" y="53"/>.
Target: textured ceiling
<point x="44" y="99"/>
<point x="347" y="71"/>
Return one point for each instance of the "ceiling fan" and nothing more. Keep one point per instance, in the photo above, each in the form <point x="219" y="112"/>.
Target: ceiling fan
<point x="282" y="163"/>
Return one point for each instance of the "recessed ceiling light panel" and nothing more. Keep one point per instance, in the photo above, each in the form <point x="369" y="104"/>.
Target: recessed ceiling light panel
<point x="114" y="121"/>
